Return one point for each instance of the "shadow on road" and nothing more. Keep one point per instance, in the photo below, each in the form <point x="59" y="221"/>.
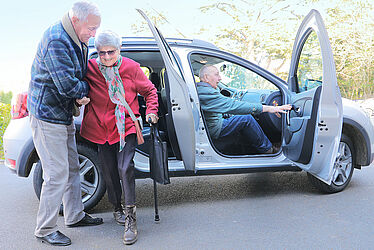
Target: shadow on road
<point x="184" y="190"/>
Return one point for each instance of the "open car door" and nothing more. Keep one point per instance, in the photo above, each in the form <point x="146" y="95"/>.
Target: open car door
<point x="312" y="129"/>
<point x="179" y="101"/>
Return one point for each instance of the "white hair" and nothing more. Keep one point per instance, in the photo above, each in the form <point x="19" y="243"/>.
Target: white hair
<point x="206" y="70"/>
<point x="82" y="9"/>
<point x="107" y="38"/>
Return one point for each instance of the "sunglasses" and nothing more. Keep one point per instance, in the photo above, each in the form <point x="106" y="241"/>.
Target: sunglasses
<point x="109" y="52"/>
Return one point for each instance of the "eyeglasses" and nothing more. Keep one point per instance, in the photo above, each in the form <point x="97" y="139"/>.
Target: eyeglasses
<point x="109" y="52"/>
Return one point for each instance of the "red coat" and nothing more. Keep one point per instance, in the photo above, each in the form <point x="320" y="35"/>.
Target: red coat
<point x="99" y="121"/>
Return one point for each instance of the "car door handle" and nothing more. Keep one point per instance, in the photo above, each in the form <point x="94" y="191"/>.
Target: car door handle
<point x="288" y="114"/>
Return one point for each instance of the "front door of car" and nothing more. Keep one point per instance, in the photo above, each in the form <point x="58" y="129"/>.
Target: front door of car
<point x="179" y="101"/>
<point x="312" y="129"/>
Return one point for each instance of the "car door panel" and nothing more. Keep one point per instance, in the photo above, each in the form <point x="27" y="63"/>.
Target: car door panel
<point x="179" y="100"/>
<point x="312" y="129"/>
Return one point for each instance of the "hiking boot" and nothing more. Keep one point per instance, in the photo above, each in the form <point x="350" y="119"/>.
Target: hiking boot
<point x="131" y="232"/>
<point x="119" y="216"/>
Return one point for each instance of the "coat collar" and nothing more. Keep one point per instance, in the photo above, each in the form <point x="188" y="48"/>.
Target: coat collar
<point x="68" y="27"/>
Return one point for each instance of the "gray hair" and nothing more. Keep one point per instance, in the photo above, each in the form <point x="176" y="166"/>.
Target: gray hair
<point x="107" y="38"/>
<point x="82" y="9"/>
<point x="205" y="70"/>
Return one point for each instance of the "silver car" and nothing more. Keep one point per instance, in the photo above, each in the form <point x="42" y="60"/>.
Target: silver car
<point x="325" y="135"/>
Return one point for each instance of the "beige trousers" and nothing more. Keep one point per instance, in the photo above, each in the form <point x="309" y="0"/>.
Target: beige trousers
<point x="57" y="150"/>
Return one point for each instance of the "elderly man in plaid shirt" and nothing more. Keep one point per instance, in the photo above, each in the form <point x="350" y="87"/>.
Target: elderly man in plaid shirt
<point x="56" y="82"/>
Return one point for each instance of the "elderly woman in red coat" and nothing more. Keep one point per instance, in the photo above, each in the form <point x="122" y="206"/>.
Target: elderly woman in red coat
<point x="113" y="80"/>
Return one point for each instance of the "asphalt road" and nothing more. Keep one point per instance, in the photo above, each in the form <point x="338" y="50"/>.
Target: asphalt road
<point x="247" y="211"/>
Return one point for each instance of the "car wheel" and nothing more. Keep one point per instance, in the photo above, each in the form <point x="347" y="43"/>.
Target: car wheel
<point x="91" y="177"/>
<point x="342" y="171"/>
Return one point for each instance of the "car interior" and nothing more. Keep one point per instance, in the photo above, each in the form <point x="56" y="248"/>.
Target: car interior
<point x="238" y="82"/>
<point x="242" y="84"/>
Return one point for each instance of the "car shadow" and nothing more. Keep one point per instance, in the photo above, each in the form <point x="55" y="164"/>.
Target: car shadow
<point x="184" y="190"/>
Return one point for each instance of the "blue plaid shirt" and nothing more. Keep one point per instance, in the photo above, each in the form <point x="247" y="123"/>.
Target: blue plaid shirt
<point x="56" y="77"/>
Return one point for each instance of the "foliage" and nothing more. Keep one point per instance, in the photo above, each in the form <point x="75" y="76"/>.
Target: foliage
<point x="351" y="31"/>
<point x="263" y="32"/>
<point x="5" y="97"/>
<point x="4" y="121"/>
<point x="159" y="19"/>
<point x="260" y="31"/>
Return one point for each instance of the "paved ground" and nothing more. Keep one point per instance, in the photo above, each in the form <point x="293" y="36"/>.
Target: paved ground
<point x="248" y="211"/>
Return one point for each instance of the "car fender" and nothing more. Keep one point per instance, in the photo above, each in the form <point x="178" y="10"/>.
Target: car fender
<point x="26" y="159"/>
<point x="358" y="127"/>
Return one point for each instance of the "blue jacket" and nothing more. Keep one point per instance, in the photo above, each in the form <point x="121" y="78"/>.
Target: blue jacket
<point x="214" y="104"/>
<point x="56" y="75"/>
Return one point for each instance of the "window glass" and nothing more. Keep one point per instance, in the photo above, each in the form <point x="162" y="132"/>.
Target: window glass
<point x="309" y="70"/>
<point x="233" y="75"/>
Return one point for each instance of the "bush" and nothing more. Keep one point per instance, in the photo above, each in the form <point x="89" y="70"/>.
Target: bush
<point x="4" y="121"/>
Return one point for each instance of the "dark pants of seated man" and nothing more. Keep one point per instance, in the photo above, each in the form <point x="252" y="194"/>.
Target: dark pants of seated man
<point x="248" y="127"/>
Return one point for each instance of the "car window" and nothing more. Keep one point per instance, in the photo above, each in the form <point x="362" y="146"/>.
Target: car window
<point x="309" y="70"/>
<point x="233" y="75"/>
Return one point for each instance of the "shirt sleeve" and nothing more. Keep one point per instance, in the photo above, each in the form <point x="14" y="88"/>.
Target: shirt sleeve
<point x="213" y="101"/>
<point x="61" y="68"/>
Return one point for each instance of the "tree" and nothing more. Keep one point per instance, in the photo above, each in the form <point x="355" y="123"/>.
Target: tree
<point x="5" y="97"/>
<point x="263" y="32"/>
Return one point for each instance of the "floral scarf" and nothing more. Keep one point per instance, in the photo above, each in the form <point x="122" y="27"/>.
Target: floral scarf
<point x="117" y="94"/>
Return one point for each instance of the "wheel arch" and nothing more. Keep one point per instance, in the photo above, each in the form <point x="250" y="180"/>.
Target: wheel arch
<point x="360" y="140"/>
<point x="26" y="159"/>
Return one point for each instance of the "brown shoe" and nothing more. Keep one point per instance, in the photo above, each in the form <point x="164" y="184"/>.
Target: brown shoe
<point x="119" y="216"/>
<point x="131" y="232"/>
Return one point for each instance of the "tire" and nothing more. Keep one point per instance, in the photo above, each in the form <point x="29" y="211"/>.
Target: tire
<point x="92" y="181"/>
<point x="342" y="171"/>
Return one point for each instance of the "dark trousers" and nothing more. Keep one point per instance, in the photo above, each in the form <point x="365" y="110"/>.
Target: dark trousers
<point x="249" y="130"/>
<point x="119" y="166"/>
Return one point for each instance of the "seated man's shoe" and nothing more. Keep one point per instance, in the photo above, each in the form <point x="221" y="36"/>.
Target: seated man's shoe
<point x="87" y="221"/>
<point x="55" y="239"/>
<point x="119" y="216"/>
<point x="274" y="149"/>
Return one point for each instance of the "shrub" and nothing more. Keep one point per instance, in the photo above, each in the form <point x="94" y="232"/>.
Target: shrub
<point x="4" y="121"/>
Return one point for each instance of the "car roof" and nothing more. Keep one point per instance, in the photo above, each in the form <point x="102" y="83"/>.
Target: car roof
<point x="150" y="41"/>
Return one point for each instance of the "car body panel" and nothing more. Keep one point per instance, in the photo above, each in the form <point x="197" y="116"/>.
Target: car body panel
<point x="18" y="144"/>
<point x="314" y="127"/>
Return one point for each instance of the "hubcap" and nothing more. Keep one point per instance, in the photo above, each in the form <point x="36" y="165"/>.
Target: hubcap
<point x="343" y="165"/>
<point x="88" y="177"/>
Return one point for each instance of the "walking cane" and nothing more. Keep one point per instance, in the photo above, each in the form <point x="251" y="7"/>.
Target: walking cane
<point x="157" y="217"/>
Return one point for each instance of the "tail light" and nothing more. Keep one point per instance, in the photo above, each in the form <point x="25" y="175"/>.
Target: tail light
<point x="19" y="106"/>
<point x="10" y="163"/>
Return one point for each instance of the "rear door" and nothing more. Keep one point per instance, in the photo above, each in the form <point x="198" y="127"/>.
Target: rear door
<point x="180" y="103"/>
<point x="312" y="129"/>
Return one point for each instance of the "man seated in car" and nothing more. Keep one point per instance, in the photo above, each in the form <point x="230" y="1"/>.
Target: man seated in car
<point x="214" y="104"/>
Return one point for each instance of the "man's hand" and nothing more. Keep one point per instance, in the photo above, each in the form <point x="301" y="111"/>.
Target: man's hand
<point x="277" y="109"/>
<point x="154" y="118"/>
<point x="83" y="101"/>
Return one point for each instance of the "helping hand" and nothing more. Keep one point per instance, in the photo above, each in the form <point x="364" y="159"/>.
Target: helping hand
<point x="83" y="101"/>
